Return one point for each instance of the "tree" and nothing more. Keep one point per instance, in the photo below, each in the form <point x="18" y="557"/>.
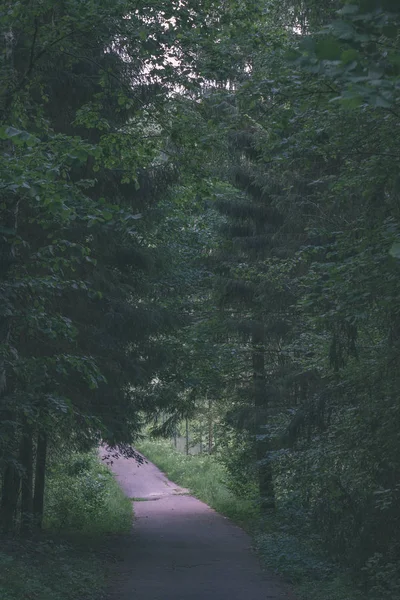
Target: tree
<point x="84" y="95"/>
<point x="307" y="271"/>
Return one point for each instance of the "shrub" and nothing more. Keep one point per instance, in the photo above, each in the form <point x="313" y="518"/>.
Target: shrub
<point x="82" y="495"/>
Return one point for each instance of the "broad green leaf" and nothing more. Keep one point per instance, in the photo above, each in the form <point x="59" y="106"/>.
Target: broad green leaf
<point x="395" y="250"/>
<point x="349" y="56"/>
<point x="328" y="49"/>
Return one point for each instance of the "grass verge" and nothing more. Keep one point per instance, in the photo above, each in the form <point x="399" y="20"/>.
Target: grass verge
<point x="69" y="560"/>
<point x="311" y="574"/>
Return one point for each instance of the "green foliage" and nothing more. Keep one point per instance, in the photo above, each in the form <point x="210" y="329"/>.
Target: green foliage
<point x="87" y="151"/>
<point x="49" y="570"/>
<point x="95" y="504"/>
<point x="200" y="220"/>
<point x="305" y="279"/>
<point x="288" y="555"/>
<point x="234" y="453"/>
<point x="339" y="588"/>
<point x="360" y="52"/>
<point x="68" y="561"/>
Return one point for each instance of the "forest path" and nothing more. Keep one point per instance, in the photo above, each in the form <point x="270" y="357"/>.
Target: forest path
<point x="180" y="549"/>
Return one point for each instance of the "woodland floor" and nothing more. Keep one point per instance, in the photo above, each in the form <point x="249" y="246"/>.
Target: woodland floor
<point x="180" y="548"/>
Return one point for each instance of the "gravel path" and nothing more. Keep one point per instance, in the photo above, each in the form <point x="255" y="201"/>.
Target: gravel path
<point x="180" y="549"/>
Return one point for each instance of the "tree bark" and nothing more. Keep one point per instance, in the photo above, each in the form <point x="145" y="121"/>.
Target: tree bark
<point x="26" y="460"/>
<point x="210" y="428"/>
<point x="40" y="477"/>
<point x="9" y="215"/>
<point x="187" y="436"/>
<point x="9" y="497"/>
<point x="11" y="477"/>
<point x="265" y="478"/>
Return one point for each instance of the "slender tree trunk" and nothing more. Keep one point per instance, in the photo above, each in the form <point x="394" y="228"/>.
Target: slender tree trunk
<point x="9" y="219"/>
<point x="26" y="460"/>
<point x="9" y="497"/>
<point x="265" y="479"/>
<point x="11" y="478"/>
<point x="210" y="428"/>
<point x="40" y="476"/>
<point x="187" y="435"/>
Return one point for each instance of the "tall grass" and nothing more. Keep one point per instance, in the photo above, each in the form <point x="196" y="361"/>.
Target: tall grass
<point x="203" y="477"/>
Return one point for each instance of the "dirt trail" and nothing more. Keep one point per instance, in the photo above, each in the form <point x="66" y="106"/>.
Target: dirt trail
<point x="180" y="549"/>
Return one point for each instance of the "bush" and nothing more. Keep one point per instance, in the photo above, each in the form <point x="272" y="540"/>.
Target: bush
<point x="287" y="555"/>
<point x="238" y="458"/>
<point x="82" y="495"/>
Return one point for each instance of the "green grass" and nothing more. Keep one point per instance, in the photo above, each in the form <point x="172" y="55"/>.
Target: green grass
<point x="312" y="575"/>
<point x="70" y="559"/>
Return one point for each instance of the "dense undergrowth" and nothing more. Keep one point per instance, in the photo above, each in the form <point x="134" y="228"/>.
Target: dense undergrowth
<point x="67" y="561"/>
<point x="280" y="544"/>
<point x="50" y="569"/>
<point x="94" y="504"/>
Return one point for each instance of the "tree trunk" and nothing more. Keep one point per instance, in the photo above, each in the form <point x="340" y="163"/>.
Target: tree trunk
<point x="187" y="436"/>
<point x="265" y="480"/>
<point x="8" y="218"/>
<point x="26" y="460"/>
<point x="40" y="476"/>
<point x="210" y="428"/>
<point x="9" y="497"/>
<point x="11" y="476"/>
